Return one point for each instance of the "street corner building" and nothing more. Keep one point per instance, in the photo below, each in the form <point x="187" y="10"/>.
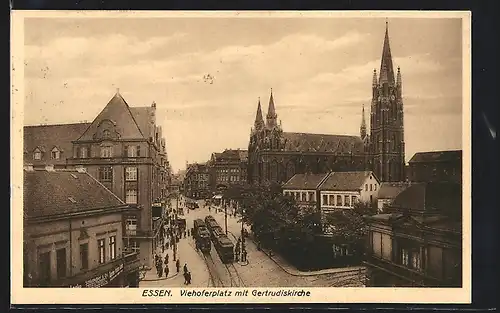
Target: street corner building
<point x="417" y="241"/>
<point x="73" y="230"/>
<point x="275" y="155"/>
<point x="124" y="149"/>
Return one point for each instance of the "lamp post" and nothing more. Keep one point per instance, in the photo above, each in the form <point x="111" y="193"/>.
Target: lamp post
<point x="225" y="216"/>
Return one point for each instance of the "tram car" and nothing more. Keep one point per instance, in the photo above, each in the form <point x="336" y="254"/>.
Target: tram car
<point x="222" y="244"/>
<point x="201" y="236"/>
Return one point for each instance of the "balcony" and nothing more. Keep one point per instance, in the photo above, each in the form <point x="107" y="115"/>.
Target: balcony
<point x="102" y="275"/>
<point x="413" y="277"/>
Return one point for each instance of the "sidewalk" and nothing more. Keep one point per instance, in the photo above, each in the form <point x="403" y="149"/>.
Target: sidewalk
<point x="152" y="275"/>
<point x="285" y="266"/>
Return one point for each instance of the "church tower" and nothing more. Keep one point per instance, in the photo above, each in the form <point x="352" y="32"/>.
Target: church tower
<point x="387" y="145"/>
<point x="271" y="113"/>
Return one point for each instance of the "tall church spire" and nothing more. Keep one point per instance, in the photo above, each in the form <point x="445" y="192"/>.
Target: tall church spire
<point x="386" y="68"/>
<point x="271" y="113"/>
<point x="362" y="129"/>
<point x="259" y="121"/>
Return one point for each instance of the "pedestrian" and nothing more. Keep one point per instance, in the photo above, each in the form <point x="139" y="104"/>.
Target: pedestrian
<point x="178" y="265"/>
<point x="160" y="270"/>
<point x="188" y="276"/>
<point x="166" y="259"/>
<point x="185" y="278"/>
<point x="167" y="270"/>
<point x="244" y="255"/>
<point x="185" y="268"/>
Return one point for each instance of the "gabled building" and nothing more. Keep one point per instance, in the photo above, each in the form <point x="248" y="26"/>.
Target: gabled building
<point x="73" y="232"/>
<point x="123" y="149"/>
<point x="275" y="155"/>
<point x="50" y="144"/>
<point x="417" y="241"/>
<point x="435" y="166"/>
<point x="304" y="188"/>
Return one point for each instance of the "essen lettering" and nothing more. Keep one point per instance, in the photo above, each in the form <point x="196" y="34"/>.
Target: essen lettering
<point x="156" y="293"/>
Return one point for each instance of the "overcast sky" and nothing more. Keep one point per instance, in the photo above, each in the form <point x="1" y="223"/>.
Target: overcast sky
<point x="320" y="70"/>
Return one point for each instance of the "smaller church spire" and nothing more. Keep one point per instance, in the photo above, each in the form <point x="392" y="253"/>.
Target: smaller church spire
<point x="271" y="112"/>
<point x="259" y="121"/>
<point x="374" y="80"/>
<point x="398" y="79"/>
<point x="117" y="91"/>
<point x="362" y="129"/>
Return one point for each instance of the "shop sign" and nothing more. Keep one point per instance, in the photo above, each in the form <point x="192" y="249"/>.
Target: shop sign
<point x="101" y="280"/>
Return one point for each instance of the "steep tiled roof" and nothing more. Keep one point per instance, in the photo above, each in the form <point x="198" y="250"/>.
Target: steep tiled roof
<point x="118" y="112"/>
<point x="304" y="181"/>
<point x="305" y="142"/>
<point x="345" y="181"/>
<point x="389" y="190"/>
<point x="49" y="193"/>
<point x="437" y="156"/>
<point x="46" y="137"/>
<point x="142" y="116"/>
<point x="435" y="196"/>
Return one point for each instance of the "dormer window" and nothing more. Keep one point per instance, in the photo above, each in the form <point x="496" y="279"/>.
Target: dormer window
<point x="55" y="154"/>
<point x="84" y="152"/>
<point x="37" y="155"/>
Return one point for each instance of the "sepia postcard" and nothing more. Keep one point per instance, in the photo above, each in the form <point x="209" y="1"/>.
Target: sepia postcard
<point x="240" y="157"/>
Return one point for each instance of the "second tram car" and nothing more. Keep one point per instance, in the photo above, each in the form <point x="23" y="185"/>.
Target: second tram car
<point x="222" y="244"/>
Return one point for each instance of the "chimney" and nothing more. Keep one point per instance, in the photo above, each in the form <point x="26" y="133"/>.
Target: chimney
<point x="28" y="168"/>
<point x="49" y="168"/>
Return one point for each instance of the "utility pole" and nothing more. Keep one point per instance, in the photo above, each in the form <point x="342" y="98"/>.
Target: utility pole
<point x="225" y="215"/>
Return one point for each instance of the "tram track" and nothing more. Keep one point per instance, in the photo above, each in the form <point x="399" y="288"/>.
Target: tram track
<point x="215" y="280"/>
<point x="236" y="280"/>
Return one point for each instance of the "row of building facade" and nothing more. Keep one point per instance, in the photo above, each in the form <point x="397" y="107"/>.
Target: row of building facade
<point x="121" y="153"/>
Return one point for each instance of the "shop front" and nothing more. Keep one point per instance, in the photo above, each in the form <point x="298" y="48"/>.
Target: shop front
<point x="121" y="273"/>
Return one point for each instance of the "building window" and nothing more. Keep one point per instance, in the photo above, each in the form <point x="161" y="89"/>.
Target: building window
<point x="105" y="173"/>
<point x="331" y="200"/>
<point x="106" y="152"/>
<point x="353" y="200"/>
<point x="346" y="201"/>
<point x="101" y="250"/>
<point x="84" y="256"/>
<point x="325" y="200"/>
<point x="133" y="151"/>
<point x="112" y="247"/>
<point x="303" y="194"/>
<point x="339" y="200"/>
<point x="371" y="186"/>
<point x="44" y="268"/>
<point x="55" y="154"/>
<point x="131" y="196"/>
<point x="415" y="260"/>
<point x="61" y="263"/>
<point x="375" y="187"/>
<point x="83" y="152"/>
<point x="37" y="155"/>
<point x="131" y="174"/>
<point x="405" y="257"/>
<point x="366" y="187"/>
<point x="312" y="198"/>
<point x="131" y="225"/>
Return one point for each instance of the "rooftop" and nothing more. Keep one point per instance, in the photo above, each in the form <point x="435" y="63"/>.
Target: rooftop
<point x="389" y="190"/>
<point x="305" y="181"/>
<point x="346" y="181"/>
<point x="306" y="142"/>
<point x="437" y="156"/>
<point x="49" y="193"/>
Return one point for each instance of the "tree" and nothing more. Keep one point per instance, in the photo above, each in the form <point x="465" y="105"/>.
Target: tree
<point x="349" y="226"/>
